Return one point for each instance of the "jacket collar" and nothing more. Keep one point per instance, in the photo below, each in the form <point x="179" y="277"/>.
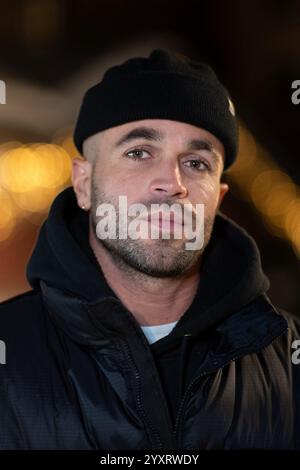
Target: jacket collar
<point x="102" y="324"/>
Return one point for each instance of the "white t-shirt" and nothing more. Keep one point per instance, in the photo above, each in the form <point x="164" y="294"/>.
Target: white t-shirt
<point x="156" y="332"/>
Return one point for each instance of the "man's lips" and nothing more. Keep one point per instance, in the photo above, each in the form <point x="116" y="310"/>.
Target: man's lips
<point x="164" y="221"/>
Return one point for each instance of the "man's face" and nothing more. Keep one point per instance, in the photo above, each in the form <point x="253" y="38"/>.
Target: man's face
<point x="153" y="161"/>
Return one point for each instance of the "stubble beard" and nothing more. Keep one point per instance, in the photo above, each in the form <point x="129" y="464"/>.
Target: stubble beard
<point x="160" y="258"/>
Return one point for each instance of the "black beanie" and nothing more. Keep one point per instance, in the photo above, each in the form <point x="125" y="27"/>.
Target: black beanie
<point x="161" y="86"/>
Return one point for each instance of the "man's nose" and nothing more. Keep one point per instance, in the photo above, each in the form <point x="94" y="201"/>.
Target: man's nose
<point x="168" y="182"/>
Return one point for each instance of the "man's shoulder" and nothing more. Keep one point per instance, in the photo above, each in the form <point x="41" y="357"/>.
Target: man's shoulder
<point x="30" y="297"/>
<point x="20" y="310"/>
<point x="23" y="333"/>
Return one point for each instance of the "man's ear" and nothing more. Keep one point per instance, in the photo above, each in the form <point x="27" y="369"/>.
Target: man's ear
<point x="81" y="180"/>
<point x="223" y="190"/>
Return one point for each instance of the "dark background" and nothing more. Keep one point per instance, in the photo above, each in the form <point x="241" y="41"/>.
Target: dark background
<point x="51" y="51"/>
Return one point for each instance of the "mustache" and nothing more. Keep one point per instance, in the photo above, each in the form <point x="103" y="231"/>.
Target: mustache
<point x="168" y="207"/>
<point x="154" y="207"/>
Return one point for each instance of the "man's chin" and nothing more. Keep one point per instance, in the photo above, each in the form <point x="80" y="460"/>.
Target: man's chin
<point x="178" y="244"/>
<point x="158" y="270"/>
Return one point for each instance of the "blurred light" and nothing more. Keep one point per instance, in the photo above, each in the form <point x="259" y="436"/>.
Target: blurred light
<point x="34" y="200"/>
<point x="54" y="165"/>
<point x="30" y="178"/>
<point x="257" y="178"/>
<point x="19" y="169"/>
<point x="292" y="218"/>
<point x="40" y="165"/>
<point x="8" y="216"/>
<point x="8" y="146"/>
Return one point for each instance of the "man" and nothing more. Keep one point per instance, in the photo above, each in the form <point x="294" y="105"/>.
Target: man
<point x="127" y="342"/>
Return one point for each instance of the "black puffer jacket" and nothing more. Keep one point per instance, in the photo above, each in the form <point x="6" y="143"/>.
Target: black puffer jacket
<point x="80" y="374"/>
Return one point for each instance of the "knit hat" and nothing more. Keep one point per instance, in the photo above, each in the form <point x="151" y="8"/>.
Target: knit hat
<point x="161" y="86"/>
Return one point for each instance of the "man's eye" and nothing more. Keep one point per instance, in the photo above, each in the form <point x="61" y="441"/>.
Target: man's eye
<point x="198" y="165"/>
<point x="136" y="154"/>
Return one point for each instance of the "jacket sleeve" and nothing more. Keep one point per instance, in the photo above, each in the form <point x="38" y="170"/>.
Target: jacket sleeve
<point x="294" y="357"/>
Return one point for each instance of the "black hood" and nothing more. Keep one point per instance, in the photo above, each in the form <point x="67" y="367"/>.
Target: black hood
<point x="231" y="274"/>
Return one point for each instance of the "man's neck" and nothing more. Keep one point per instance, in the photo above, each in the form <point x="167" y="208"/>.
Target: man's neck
<point x="152" y="300"/>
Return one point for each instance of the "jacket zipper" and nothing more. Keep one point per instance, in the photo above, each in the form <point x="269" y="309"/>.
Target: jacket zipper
<point x="139" y="401"/>
<point x="182" y="405"/>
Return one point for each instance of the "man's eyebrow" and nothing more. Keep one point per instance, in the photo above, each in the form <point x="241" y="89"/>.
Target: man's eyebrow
<point x="147" y="133"/>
